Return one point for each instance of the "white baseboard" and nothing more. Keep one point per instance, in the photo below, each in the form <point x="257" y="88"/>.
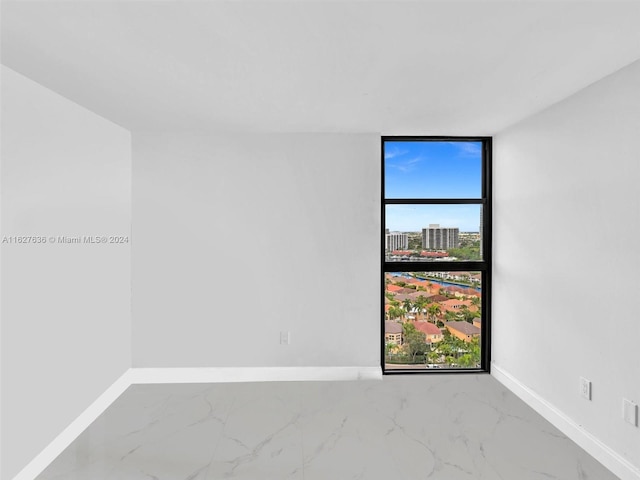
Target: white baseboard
<point x="69" y="434"/>
<point x="253" y="374"/>
<point x="594" y="447"/>
<point x="186" y="375"/>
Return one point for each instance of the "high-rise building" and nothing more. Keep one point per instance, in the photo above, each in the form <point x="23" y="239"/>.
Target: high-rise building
<point x="396" y="241"/>
<point x="435" y="237"/>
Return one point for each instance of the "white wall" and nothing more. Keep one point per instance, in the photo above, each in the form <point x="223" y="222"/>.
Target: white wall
<point x="237" y="238"/>
<point x="66" y="333"/>
<point x="567" y="262"/>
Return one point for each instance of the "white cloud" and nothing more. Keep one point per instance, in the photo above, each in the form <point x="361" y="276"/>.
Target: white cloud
<point x="407" y="165"/>
<point x="393" y="152"/>
<point x="468" y="149"/>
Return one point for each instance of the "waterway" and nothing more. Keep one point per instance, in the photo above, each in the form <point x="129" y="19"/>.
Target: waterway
<point x="438" y="282"/>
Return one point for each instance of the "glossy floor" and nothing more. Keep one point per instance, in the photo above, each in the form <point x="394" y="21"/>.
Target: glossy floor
<point x="402" y="427"/>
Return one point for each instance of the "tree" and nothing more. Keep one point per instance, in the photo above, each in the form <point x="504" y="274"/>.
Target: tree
<point x="451" y="349"/>
<point x="408" y="306"/>
<point x="420" y="303"/>
<point x="475" y="300"/>
<point x="415" y="241"/>
<point x="471" y="357"/>
<point x="467" y="315"/>
<point x="395" y="312"/>
<point x="446" y="293"/>
<point x="433" y="357"/>
<point x="474" y="345"/>
<point x="466" y="253"/>
<point x="433" y="311"/>
<point x="446" y="347"/>
<point x="415" y="341"/>
<point x="389" y="348"/>
<point x="450" y="316"/>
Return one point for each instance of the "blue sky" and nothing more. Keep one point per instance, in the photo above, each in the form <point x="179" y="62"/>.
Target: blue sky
<point x="433" y="170"/>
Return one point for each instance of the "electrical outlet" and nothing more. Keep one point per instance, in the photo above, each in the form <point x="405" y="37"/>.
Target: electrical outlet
<point x="585" y="388"/>
<point x="630" y="412"/>
<point x="285" y="338"/>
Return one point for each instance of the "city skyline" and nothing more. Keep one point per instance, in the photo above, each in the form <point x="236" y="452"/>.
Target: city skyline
<point x="413" y="218"/>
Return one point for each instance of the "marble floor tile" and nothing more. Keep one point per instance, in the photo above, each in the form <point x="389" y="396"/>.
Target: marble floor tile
<point x="446" y="427"/>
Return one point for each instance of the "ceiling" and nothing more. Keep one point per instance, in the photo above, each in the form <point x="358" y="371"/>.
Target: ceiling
<point x="394" y="67"/>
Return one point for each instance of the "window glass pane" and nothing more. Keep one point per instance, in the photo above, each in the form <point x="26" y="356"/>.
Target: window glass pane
<point x="433" y="232"/>
<point x="432" y="169"/>
<point x="432" y="320"/>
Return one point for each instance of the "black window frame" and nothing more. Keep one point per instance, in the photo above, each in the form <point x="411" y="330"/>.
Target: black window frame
<point x="483" y="266"/>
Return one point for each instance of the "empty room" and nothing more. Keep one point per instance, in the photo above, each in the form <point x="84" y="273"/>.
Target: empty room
<point x="304" y="239"/>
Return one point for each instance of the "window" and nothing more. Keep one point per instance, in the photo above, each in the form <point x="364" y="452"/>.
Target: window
<point x="436" y="254"/>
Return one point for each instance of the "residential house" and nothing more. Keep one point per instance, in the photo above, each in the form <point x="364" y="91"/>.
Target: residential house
<point x="463" y="330"/>
<point x="433" y="333"/>
<point x="393" y="332"/>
